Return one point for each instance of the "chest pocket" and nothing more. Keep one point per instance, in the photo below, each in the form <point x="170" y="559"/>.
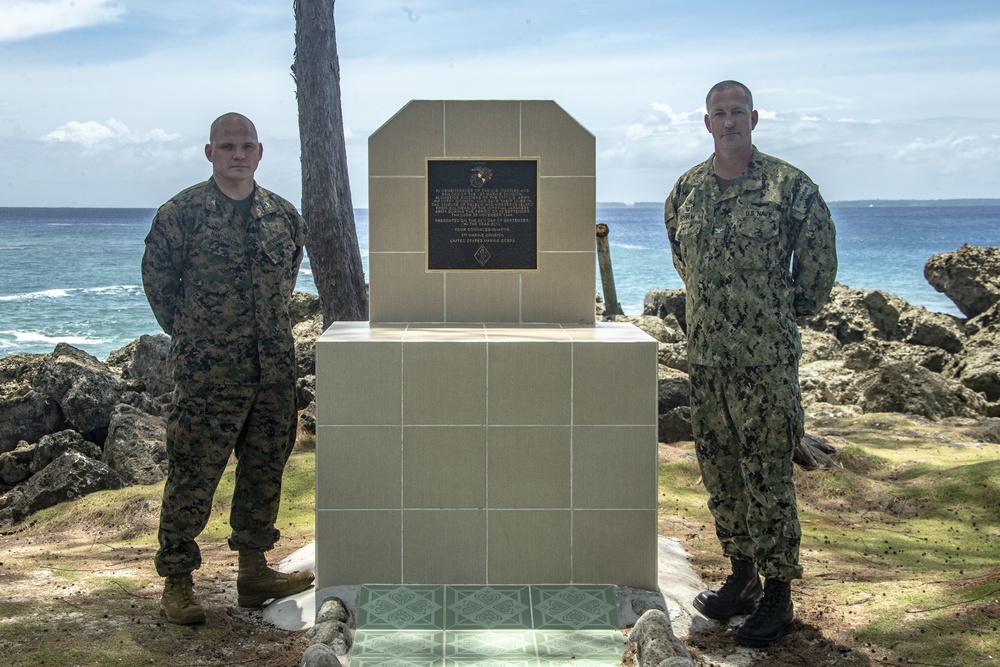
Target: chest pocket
<point x="217" y="267"/>
<point x="688" y="230"/>
<point x="276" y="242"/>
<point x="218" y="254"/>
<point x="756" y="239"/>
<point x="223" y="248"/>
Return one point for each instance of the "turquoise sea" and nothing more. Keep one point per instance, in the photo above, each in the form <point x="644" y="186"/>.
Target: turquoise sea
<point x="72" y="274"/>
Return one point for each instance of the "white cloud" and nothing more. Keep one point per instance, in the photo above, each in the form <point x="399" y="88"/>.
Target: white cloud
<point x="90" y="133"/>
<point x="951" y="152"/>
<point x="86" y="134"/>
<point x="682" y="117"/>
<point x="661" y="120"/>
<point x="23" y="19"/>
<point x="828" y="74"/>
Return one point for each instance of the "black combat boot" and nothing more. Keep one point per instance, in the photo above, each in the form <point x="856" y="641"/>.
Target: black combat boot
<point x="773" y="618"/>
<point x="738" y="595"/>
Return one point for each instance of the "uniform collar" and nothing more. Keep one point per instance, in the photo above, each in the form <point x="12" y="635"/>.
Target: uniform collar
<point x="263" y="203"/>
<point x="751" y="180"/>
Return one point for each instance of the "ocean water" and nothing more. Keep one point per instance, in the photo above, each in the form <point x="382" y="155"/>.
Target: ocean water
<point x="69" y="274"/>
<point x="880" y="245"/>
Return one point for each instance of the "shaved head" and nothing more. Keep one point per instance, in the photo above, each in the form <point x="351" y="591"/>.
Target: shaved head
<point x="232" y="115"/>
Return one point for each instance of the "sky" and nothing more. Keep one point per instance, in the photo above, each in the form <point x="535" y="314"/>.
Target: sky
<point x="107" y="103"/>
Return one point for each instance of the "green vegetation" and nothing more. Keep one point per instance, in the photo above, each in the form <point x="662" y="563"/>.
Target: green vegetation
<point x="80" y="589"/>
<point x="901" y="546"/>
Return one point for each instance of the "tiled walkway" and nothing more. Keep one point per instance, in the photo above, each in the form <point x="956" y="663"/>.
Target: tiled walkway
<point x="487" y="626"/>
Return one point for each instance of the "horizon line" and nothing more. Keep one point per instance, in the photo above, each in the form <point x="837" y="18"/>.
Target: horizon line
<point x="606" y="204"/>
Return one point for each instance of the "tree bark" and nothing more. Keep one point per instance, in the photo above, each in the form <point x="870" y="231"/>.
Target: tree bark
<point x="334" y="254"/>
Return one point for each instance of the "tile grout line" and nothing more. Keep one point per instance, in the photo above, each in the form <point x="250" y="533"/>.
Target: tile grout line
<point x="486" y="454"/>
<point x="572" y="452"/>
<point x="402" y="457"/>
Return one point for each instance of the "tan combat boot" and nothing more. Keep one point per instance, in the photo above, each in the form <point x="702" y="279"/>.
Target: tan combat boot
<point x="257" y="583"/>
<point x="177" y="602"/>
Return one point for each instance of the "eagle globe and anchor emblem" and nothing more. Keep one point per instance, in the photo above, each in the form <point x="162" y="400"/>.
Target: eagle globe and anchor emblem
<point x="481" y="174"/>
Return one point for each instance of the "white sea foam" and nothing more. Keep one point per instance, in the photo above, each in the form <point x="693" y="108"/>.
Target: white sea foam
<point x="111" y="289"/>
<point x="35" y="337"/>
<point x="630" y="246"/>
<point x="44" y="294"/>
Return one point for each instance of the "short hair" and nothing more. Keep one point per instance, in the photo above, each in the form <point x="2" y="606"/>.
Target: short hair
<point x="218" y="121"/>
<point x="724" y="85"/>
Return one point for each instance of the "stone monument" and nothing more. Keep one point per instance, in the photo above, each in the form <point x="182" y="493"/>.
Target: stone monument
<point x="482" y="427"/>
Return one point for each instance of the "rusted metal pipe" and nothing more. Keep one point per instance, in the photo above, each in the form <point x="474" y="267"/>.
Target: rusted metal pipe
<point x="611" y="305"/>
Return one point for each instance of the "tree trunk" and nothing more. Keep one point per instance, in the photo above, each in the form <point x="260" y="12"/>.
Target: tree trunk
<point x="334" y="254"/>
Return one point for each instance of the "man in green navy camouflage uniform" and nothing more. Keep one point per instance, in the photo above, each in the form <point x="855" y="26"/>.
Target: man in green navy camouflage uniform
<point x="755" y="245"/>
<point x="219" y="268"/>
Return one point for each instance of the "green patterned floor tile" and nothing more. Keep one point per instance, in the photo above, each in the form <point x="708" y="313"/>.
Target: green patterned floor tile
<point x="574" y="607"/>
<point x="487" y="607"/>
<point x="382" y="661"/>
<point x="509" y="646"/>
<point x="503" y="662"/>
<point x="487" y="626"/>
<point x="390" y="606"/>
<point x="398" y="643"/>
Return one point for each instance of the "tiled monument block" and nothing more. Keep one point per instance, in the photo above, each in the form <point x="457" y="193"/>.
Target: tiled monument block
<point x="561" y="290"/>
<point x="481" y="428"/>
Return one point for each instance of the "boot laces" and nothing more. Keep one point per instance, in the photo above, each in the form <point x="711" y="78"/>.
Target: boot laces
<point x="768" y="604"/>
<point x="185" y="588"/>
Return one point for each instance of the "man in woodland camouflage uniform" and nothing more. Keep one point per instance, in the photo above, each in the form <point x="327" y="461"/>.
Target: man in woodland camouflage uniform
<point x="219" y="269"/>
<point x="754" y="243"/>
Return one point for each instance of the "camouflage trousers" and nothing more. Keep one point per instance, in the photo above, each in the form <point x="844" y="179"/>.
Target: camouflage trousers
<point x="204" y="427"/>
<point x="747" y="422"/>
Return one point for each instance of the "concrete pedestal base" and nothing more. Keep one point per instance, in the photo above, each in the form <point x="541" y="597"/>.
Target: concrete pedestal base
<point x="486" y="453"/>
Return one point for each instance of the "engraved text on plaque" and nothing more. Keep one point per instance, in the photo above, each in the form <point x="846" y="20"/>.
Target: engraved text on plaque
<point x="482" y="215"/>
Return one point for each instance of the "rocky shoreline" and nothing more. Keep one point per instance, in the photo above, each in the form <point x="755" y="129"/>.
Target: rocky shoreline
<point x="870" y="351"/>
<point x="72" y="425"/>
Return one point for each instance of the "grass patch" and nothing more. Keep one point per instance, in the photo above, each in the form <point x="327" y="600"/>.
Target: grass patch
<point x="80" y="588"/>
<point x="901" y="550"/>
<point x="901" y="546"/>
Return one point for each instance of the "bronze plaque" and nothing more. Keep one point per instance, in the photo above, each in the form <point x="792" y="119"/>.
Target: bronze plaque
<point x="482" y="215"/>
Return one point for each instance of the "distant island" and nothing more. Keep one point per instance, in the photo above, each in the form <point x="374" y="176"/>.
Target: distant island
<point x="875" y="203"/>
<point x="860" y="203"/>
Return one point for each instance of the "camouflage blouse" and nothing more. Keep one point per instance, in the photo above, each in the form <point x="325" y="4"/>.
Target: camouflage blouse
<point x="221" y="285"/>
<point x="752" y="258"/>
